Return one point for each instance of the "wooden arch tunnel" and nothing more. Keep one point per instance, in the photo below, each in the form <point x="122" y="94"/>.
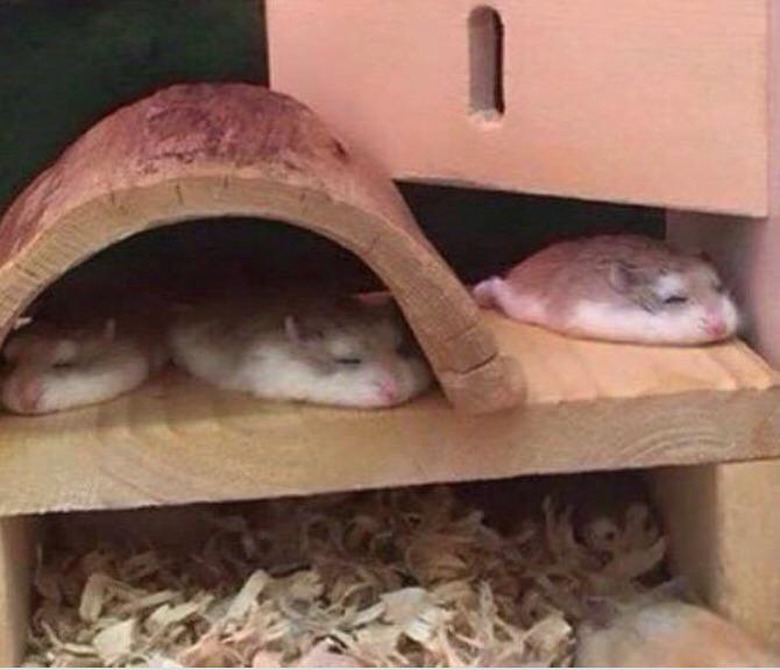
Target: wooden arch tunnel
<point x="196" y="151"/>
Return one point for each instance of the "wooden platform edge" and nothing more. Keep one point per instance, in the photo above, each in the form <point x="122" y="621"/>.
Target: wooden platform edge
<point x="143" y="451"/>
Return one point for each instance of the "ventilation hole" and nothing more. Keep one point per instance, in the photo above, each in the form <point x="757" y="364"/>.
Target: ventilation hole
<point x="486" y="55"/>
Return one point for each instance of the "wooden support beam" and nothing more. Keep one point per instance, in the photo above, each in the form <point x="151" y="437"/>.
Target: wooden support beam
<point x="725" y="538"/>
<point x="17" y="538"/>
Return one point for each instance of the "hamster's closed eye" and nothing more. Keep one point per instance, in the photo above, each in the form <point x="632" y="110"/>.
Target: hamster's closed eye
<point x="676" y="300"/>
<point x="349" y="361"/>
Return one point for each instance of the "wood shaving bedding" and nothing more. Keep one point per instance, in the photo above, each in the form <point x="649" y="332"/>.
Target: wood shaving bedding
<point x="407" y="577"/>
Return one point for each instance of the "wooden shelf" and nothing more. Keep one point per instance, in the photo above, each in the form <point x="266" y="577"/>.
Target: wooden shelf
<point x="591" y="406"/>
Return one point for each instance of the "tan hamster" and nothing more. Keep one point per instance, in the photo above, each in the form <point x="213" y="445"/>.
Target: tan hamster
<point x="345" y="353"/>
<point x="624" y="288"/>
<point x="54" y="367"/>
<point x="666" y="633"/>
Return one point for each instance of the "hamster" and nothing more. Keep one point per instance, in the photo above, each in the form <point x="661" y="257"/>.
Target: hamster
<point x="623" y="288"/>
<point x="665" y="632"/>
<point x="56" y="367"/>
<point x="294" y="347"/>
<point x="346" y="352"/>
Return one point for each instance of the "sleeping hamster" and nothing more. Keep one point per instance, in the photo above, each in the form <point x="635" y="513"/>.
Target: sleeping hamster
<point x="335" y="352"/>
<point x="623" y="288"/>
<point x="667" y="633"/>
<point x="302" y="348"/>
<point x="54" y="367"/>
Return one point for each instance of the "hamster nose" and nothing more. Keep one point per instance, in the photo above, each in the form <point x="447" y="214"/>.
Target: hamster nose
<point x="715" y="326"/>
<point x="23" y="390"/>
<point x="388" y="389"/>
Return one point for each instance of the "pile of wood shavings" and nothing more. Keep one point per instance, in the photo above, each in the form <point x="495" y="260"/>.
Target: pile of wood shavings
<point x="410" y="577"/>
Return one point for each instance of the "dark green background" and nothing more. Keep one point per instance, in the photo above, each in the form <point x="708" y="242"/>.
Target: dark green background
<point x="65" y="63"/>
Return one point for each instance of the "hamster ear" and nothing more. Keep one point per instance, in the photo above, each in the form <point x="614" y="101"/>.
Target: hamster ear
<point x="600" y="611"/>
<point x="374" y="299"/>
<point x="299" y="333"/>
<point x="677" y="588"/>
<point x="21" y="322"/>
<point x="109" y="330"/>
<point x="292" y="331"/>
<point x="623" y="277"/>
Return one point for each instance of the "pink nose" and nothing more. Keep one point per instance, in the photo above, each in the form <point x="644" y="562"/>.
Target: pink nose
<point x="23" y="390"/>
<point x="388" y="389"/>
<point x="716" y="326"/>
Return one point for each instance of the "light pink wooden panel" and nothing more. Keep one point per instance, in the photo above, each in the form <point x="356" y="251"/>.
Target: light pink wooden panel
<point x="650" y="101"/>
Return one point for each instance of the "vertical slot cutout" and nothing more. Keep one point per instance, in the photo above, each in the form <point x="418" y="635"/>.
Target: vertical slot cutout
<point x="486" y="61"/>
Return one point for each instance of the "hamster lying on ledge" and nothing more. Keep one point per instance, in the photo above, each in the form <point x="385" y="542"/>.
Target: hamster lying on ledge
<point x="300" y="348"/>
<point x="623" y="288"/>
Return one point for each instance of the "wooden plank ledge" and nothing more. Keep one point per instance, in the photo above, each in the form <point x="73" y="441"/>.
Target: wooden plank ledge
<point x="591" y="406"/>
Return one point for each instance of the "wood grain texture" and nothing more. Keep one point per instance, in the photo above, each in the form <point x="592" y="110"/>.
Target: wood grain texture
<point x="16" y="563"/>
<point x="660" y="102"/>
<point x="179" y="441"/>
<point x="210" y="150"/>
<point x="563" y="369"/>
<point x="724" y="538"/>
